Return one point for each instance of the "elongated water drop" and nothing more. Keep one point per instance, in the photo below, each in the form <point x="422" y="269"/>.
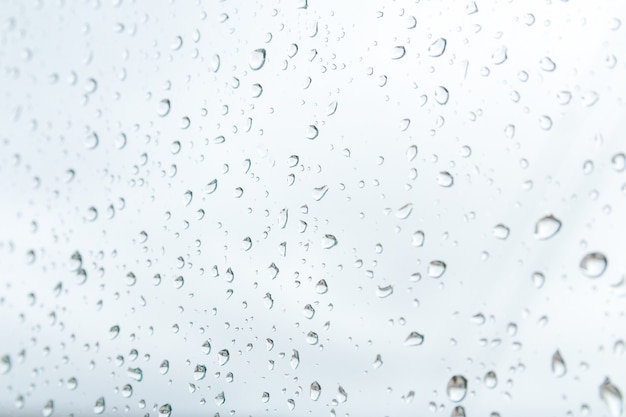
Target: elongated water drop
<point x="257" y="59"/>
<point x="457" y="388"/>
<point x="612" y="397"/>
<point x="558" y="365"/>
<point x="316" y="390"/>
<point x="99" y="406"/>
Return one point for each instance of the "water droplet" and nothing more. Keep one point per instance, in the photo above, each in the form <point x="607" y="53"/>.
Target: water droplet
<point x="619" y="162"/>
<point x="491" y="380"/>
<point x="265" y="397"/>
<point x="257" y="59"/>
<point x="48" y="409"/>
<point x="312" y="338"/>
<point x="445" y="179"/>
<point x="135" y="373"/>
<point x="563" y="97"/>
<point x="404" y="124"/>
<point x="377" y="362"/>
<point x="538" y="279"/>
<point x="441" y="95"/>
<point x="321" y="287"/>
<point x="316" y="390"/>
<point x="72" y="384"/>
<point x="99" y="406"/>
<point x="437" y="48"/>
<point x="206" y="349"/>
<point x="199" y="372"/>
<point x="547" y="64"/>
<point x="114" y="331"/>
<point x="418" y="238"/>
<point x="499" y="56"/>
<point x="220" y="398"/>
<point x="558" y="365"/>
<point x="164" y="107"/>
<point x="256" y="90"/>
<point x="329" y="241"/>
<point x="312" y="132"/>
<point x="295" y="359"/>
<point x="436" y="269"/>
<point x="383" y="292"/>
<point x="223" y="356"/>
<point x="545" y="122"/>
<point x="5" y="364"/>
<point x="414" y="339"/>
<point x="500" y="231"/>
<point x="91" y="141"/>
<point x="457" y="388"/>
<point x="165" y="410"/>
<point x="309" y="311"/>
<point x="404" y="211"/>
<point x="187" y="197"/>
<point x="332" y="108"/>
<point x="612" y="397"/>
<point x="547" y="227"/>
<point x="458" y="411"/>
<point x="127" y="391"/>
<point x="398" y="52"/>
<point x="471" y="8"/>
<point x="210" y="187"/>
<point x="593" y="264"/>
<point x="319" y="192"/>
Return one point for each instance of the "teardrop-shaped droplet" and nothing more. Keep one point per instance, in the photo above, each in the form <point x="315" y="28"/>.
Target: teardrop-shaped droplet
<point x="499" y="55"/>
<point x="593" y="264"/>
<point x="445" y="179"/>
<point x="612" y="398"/>
<point x="329" y="241"/>
<point x="135" y="373"/>
<point x="436" y="269"/>
<point x="321" y="287"/>
<point x="220" y="398"/>
<point x="5" y="364"/>
<point x="91" y="141"/>
<point x="457" y="388"/>
<point x="99" y="406"/>
<point x="48" y="409"/>
<point x="414" y="339"/>
<point x="384" y="292"/>
<point x="316" y="390"/>
<point x="332" y="108"/>
<point x="558" y="365"/>
<point x="223" y="356"/>
<point x="309" y="311"/>
<point x="418" y="239"/>
<point x="295" y="359"/>
<point x="538" y="279"/>
<point x="441" y="95"/>
<point x="312" y="338"/>
<point x="501" y="231"/>
<point x="257" y="59"/>
<point x="437" y="48"/>
<point x="210" y="187"/>
<point x="547" y="64"/>
<point x="547" y="227"/>
<point x="404" y="211"/>
<point x="265" y="397"/>
<point x="490" y="380"/>
<point x="164" y="367"/>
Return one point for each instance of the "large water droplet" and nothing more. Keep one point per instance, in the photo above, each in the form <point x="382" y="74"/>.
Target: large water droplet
<point x="436" y="269"/>
<point x="329" y="241"/>
<point x="437" y="48"/>
<point x="490" y="379"/>
<point x="547" y="227"/>
<point x="445" y="179"/>
<point x="457" y="388"/>
<point x="404" y="211"/>
<point x="383" y="292"/>
<point x="499" y="55"/>
<point x="319" y="192"/>
<point x="257" y="59"/>
<point x="295" y="359"/>
<point x="165" y="410"/>
<point x="558" y="365"/>
<point x="48" y="409"/>
<point x="441" y="95"/>
<point x="612" y="397"/>
<point x="223" y="356"/>
<point x="501" y="231"/>
<point x="316" y="390"/>
<point x="312" y="132"/>
<point x="398" y="52"/>
<point x="99" y="406"/>
<point x="199" y="373"/>
<point x="593" y="264"/>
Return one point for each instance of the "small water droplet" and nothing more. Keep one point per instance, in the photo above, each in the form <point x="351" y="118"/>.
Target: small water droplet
<point x="332" y="108"/>
<point x="547" y="227"/>
<point x="165" y="410"/>
<point x="164" y="107"/>
<point x="619" y="162"/>
<point x="491" y="380"/>
<point x="5" y="364"/>
<point x="404" y="211"/>
<point x="295" y="359"/>
<point x="558" y="365"/>
<point x="437" y="48"/>
<point x="321" y="287"/>
<point x="593" y="264"/>
<point x="457" y="388"/>
<point x="441" y="95"/>
<point x="418" y="238"/>
<point x="414" y="339"/>
<point x="210" y="187"/>
<point x="538" y="279"/>
<point x="257" y="59"/>
<point x="312" y="132"/>
<point x="265" y="397"/>
<point x="501" y="232"/>
<point x="329" y="241"/>
<point x="91" y="141"/>
<point x="383" y="292"/>
<point x="547" y="64"/>
<point x="223" y="356"/>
